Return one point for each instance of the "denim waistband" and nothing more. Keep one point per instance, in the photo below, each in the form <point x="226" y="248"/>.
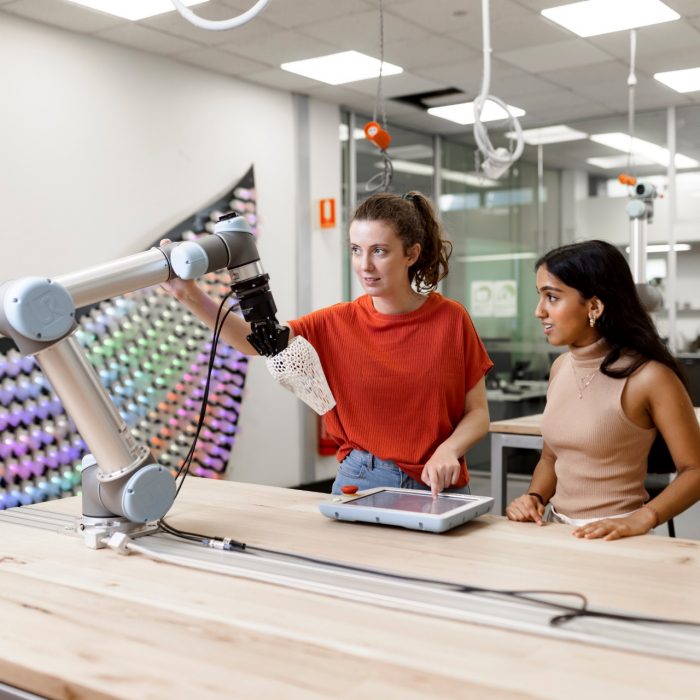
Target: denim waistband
<point x="371" y="461"/>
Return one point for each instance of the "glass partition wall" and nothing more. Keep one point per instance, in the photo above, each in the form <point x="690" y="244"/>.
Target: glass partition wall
<point x="499" y="229"/>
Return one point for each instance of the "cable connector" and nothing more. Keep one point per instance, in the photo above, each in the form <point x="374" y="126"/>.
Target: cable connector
<point x="226" y="544"/>
<point x="119" y="542"/>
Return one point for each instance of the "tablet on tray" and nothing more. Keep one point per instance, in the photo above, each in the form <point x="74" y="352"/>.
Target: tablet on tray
<point x="410" y="508"/>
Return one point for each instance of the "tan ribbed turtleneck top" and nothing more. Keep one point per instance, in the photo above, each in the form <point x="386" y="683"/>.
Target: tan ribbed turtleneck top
<point x="601" y="456"/>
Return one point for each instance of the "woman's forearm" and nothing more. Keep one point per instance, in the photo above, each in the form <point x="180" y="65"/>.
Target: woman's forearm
<point x="235" y="330"/>
<point x="679" y="495"/>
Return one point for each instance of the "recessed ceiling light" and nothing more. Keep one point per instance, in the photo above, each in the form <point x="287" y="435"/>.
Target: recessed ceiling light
<point x="594" y="17"/>
<point x="643" y="149"/>
<point x="617" y="162"/>
<point x="340" y="68"/>
<point x="686" y="80"/>
<point x="134" y="9"/>
<point x="496" y="257"/>
<point x="473" y="179"/>
<point x="665" y="248"/>
<point x="463" y="113"/>
<point x="550" y="134"/>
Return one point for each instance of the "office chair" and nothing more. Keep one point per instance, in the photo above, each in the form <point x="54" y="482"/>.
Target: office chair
<point x="660" y="466"/>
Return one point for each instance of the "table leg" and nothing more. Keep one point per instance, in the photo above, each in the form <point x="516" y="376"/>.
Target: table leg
<point x="498" y="474"/>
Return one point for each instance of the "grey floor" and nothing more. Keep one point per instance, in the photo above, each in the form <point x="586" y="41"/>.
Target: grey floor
<point x="687" y="523"/>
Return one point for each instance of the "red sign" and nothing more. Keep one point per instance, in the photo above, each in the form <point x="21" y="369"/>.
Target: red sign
<point x="327" y="213"/>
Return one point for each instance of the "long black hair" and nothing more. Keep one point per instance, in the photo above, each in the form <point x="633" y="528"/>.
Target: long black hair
<point x="596" y="268"/>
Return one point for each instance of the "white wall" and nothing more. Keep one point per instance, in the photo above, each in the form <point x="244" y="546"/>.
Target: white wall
<point x="104" y="148"/>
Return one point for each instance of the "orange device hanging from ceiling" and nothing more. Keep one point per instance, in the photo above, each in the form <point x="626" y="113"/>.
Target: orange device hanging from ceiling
<point x="378" y="136"/>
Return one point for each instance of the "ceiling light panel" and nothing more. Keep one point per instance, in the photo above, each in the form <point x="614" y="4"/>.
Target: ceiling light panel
<point x="595" y="17"/>
<point x="134" y="9"/>
<point x="686" y="80"/>
<point x="618" y="162"/>
<point x="341" y="68"/>
<point x="643" y="149"/>
<point x="550" y="134"/>
<point x="463" y="113"/>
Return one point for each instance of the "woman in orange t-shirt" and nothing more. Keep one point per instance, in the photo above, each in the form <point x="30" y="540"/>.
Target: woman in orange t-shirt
<point x="404" y="363"/>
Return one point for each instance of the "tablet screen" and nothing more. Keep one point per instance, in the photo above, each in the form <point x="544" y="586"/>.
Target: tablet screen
<point x="418" y="502"/>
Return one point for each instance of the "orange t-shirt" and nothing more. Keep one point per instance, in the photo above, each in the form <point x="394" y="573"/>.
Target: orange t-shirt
<point x="400" y="381"/>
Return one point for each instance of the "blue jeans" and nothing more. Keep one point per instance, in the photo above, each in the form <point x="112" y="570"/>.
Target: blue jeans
<point x="366" y="471"/>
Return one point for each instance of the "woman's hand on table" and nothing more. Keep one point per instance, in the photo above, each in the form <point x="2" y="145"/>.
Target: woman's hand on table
<point x="526" y="508"/>
<point x="637" y="523"/>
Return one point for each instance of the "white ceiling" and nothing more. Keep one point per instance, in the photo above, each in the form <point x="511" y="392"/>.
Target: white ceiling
<point x="554" y="75"/>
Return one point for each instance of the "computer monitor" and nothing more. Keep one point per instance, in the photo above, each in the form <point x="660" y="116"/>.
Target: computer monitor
<point x="501" y="356"/>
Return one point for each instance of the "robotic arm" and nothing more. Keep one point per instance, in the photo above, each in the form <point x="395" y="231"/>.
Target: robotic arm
<point x="124" y="488"/>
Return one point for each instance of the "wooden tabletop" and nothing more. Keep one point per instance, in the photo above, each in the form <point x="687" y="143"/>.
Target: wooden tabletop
<point x="530" y="425"/>
<point x="91" y="624"/>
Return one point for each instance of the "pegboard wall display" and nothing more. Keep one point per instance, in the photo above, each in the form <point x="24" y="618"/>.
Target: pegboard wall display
<point x="151" y="355"/>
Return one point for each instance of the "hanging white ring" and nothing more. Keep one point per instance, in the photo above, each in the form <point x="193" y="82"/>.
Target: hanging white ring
<point x="223" y="24"/>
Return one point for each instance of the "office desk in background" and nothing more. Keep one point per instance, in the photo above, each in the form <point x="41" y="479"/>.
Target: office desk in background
<point x="93" y="625"/>
<point x="523" y="432"/>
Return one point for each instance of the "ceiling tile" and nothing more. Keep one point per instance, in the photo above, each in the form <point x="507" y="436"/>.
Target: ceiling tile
<point x="673" y="60"/>
<point x="220" y="61"/>
<point x="687" y="8"/>
<point x="146" y="39"/>
<point x="563" y="54"/>
<point x="660" y="38"/>
<point x="397" y="85"/>
<point x="570" y="78"/>
<point x="63" y="14"/>
<point x="432" y="50"/>
<point x="277" y="47"/>
<point x="173" y="23"/>
<point x="444" y="16"/>
<point x="293" y="13"/>
<point x="360" y="31"/>
<point x="468" y="77"/>
<point x="283" y="80"/>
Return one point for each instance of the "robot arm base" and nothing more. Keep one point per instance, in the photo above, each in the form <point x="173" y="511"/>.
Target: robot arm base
<point x="140" y="496"/>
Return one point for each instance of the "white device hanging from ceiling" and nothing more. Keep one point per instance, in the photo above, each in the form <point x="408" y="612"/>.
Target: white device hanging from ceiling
<point x="220" y="25"/>
<point x="640" y="207"/>
<point x="494" y="161"/>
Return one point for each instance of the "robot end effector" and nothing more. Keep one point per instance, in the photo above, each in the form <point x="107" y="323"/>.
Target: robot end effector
<point x="233" y="246"/>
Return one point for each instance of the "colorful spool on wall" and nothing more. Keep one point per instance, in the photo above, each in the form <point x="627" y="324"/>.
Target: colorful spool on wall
<point x="152" y="356"/>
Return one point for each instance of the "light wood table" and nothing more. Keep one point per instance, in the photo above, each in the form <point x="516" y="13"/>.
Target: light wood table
<point x="522" y="432"/>
<point x="85" y="624"/>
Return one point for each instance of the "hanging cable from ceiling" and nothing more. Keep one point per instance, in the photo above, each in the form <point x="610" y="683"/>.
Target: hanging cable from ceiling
<point x="494" y="161"/>
<point x="220" y="25"/>
<point x="376" y="132"/>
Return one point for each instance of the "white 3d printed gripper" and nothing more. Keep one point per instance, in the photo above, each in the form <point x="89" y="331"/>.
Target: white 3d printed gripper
<point x="298" y="369"/>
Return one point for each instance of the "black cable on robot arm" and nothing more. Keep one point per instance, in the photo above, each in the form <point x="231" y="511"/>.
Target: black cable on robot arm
<point x="205" y="397"/>
<point x="218" y="326"/>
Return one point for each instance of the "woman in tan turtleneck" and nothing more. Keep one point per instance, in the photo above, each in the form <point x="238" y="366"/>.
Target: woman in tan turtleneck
<point x="607" y="398"/>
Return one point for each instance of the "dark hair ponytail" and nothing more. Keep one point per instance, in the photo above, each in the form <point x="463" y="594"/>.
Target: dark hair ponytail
<point x="415" y="221"/>
<point x="597" y="268"/>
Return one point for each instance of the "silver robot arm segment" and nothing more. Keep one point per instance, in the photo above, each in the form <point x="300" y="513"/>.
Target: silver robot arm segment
<point x="233" y="246"/>
<point x="123" y="484"/>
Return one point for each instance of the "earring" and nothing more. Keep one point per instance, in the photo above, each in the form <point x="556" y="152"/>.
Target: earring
<point x="591" y="320"/>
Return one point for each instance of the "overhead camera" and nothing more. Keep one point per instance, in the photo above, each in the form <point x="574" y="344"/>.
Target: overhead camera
<point x="644" y="190"/>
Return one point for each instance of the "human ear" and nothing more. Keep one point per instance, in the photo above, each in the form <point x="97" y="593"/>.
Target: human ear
<point x="413" y="253"/>
<point x="595" y="309"/>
